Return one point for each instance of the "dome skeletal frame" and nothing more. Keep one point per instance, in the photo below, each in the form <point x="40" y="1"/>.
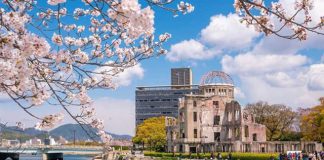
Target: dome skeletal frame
<point x="216" y="77"/>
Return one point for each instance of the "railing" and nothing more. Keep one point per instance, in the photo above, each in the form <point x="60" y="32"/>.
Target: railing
<point x="169" y="87"/>
<point x="57" y="147"/>
<point x="189" y="140"/>
<point x="48" y="149"/>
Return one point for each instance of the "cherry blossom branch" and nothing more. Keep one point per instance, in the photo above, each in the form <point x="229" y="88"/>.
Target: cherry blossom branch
<point x="264" y="22"/>
<point x="47" y="58"/>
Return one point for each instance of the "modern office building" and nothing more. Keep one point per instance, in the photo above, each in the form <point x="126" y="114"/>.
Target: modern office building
<point x="158" y="101"/>
<point x="154" y="101"/>
<point x="181" y="76"/>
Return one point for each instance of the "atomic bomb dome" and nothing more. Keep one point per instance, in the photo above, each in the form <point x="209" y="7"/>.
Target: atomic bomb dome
<point x="216" y="78"/>
<point x="217" y="83"/>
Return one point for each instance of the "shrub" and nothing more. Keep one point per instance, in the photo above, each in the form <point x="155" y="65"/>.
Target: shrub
<point x="235" y="155"/>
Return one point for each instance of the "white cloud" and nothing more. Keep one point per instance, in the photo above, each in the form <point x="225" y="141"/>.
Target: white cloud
<point x="270" y="68"/>
<point x="123" y="78"/>
<point x="4" y="97"/>
<point x="247" y="64"/>
<point x="316" y="77"/>
<point x="11" y="113"/>
<point x="118" y="114"/>
<point x="222" y="33"/>
<point x="190" y="50"/>
<point x="285" y="79"/>
<point x="227" y="32"/>
<point x="277" y="78"/>
<point x="277" y="45"/>
<point x="282" y="79"/>
<point x="256" y="89"/>
<point x="316" y="12"/>
<point x="276" y="70"/>
<point x="238" y="93"/>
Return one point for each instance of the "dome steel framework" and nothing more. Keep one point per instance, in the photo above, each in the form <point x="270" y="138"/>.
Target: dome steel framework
<point x="216" y="77"/>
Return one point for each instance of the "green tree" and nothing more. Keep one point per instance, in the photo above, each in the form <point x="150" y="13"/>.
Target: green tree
<point x="312" y="123"/>
<point x="151" y="133"/>
<point x="278" y="119"/>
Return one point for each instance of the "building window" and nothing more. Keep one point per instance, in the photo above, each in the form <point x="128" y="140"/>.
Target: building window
<point x="192" y="149"/>
<point x="216" y="136"/>
<point x="279" y="148"/>
<point x="181" y="117"/>
<point x="195" y="116"/>
<point x="237" y="115"/>
<point x="237" y="132"/>
<point x="194" y="103"/>
<point x="216" y="119"/>
<point x="182" y="134"/>
<point x="178" y="93"/>
<point x="215" y="104"/>
<point x="255" y="138"/>
<point x="229" y="133"/>
<point x="246" y="131"/>
<point x="229" y="116"/>
<point x="195" y="133"/>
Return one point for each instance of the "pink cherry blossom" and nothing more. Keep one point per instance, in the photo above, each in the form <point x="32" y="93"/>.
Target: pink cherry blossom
<point x="55" y="2"/>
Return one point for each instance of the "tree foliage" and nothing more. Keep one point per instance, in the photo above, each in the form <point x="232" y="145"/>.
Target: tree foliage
<point x="151" y="133"/>
<point x="277" y="118"/>
<point x="52" y="52"/>
<point x="312" y="123"/>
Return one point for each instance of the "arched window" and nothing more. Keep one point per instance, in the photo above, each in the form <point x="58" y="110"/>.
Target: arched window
<point x="246" y="131"/>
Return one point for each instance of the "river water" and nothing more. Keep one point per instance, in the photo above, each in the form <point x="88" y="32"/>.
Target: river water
<point x="66" y="157"/>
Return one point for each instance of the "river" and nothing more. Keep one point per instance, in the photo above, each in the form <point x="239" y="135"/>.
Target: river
<point x="66" y="157"/>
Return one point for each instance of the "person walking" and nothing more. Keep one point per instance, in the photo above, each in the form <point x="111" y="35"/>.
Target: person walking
<point x="280" y="156"/>
<point x="219" y="156"/>
<point x="229" y="157"/>
<point x="212" y="156"/>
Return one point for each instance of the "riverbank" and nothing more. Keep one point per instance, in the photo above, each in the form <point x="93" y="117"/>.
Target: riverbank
<point x="66" y="157"/>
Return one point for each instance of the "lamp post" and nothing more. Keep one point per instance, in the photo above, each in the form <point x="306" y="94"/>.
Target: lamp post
<point x="74" y="138"/>
<point x="0" y="135"/>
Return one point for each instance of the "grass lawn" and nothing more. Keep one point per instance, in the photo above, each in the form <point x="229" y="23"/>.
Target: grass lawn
<point x="235" y="155"/>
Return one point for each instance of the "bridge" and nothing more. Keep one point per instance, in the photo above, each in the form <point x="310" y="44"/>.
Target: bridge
<point x="81" y="150"/>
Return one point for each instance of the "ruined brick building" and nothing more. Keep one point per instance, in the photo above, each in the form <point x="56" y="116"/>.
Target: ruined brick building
<point x="212" y="120"/>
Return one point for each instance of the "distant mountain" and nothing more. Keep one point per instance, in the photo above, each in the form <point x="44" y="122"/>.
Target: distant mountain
<point x="34" y="132"/>
<point x="68" y="130"/>
<point x="12" y="132"/>
<point x="28" y="131"/>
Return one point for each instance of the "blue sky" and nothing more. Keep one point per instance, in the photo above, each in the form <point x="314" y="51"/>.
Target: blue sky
<point x="263" y="68"/>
